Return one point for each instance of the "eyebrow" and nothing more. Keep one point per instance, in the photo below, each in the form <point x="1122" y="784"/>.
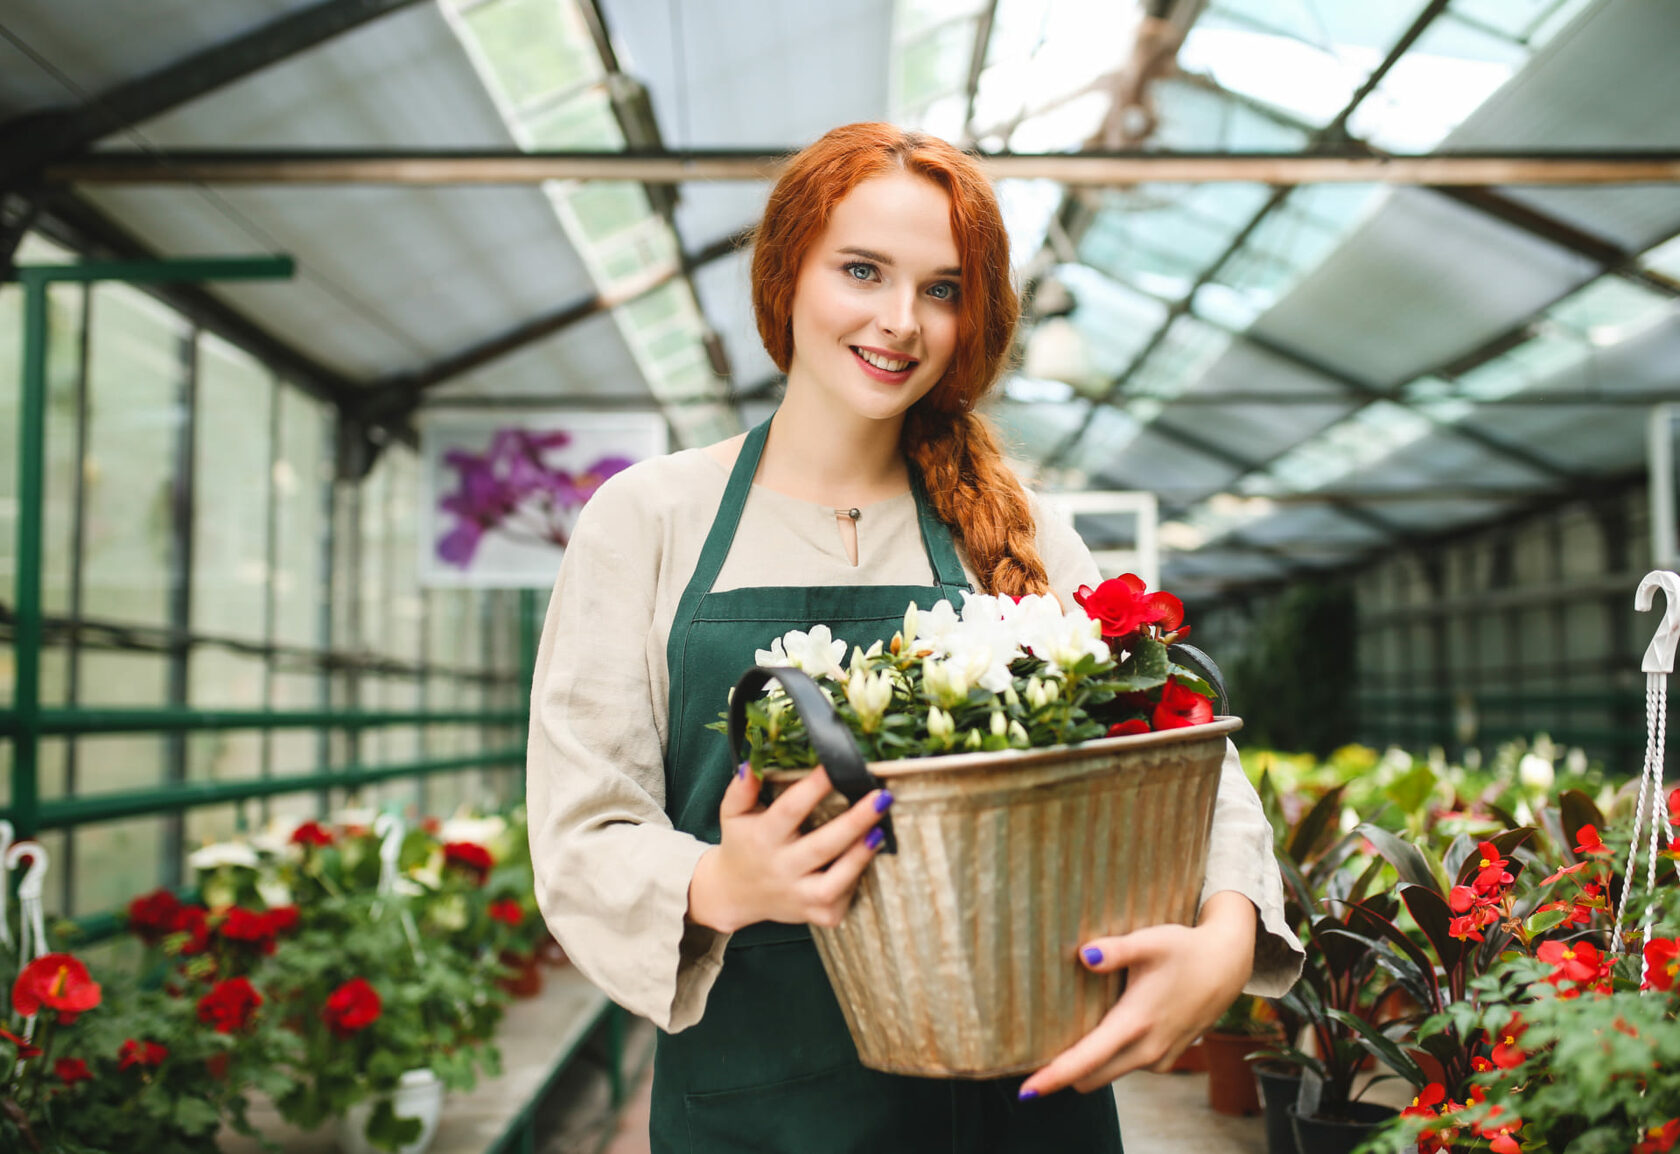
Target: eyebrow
<point x="882" y="258"/>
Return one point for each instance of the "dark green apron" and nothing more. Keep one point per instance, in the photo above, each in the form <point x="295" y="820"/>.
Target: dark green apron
<point x="770" y="1066"/>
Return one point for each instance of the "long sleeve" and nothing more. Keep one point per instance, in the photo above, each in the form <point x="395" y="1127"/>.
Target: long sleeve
<point x="1240" y="856"/>
<point x="612" y="874"/>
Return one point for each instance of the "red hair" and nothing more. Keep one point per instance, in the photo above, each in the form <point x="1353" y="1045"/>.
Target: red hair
<point x="970" y="487"/>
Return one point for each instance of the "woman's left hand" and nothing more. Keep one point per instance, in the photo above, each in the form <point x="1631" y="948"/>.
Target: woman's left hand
<point x="1179" y="981"/>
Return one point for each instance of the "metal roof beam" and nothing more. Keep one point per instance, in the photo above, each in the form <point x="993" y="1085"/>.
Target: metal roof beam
<point x="26" y="144"/>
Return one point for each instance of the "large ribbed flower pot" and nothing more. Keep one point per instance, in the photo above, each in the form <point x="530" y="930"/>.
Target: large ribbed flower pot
<point x="959" y="956"/>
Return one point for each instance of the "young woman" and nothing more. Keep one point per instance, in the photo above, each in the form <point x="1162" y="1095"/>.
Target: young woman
<point x="882" y="288"/>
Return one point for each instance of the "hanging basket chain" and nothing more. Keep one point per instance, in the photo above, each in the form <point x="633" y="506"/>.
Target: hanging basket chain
<point x="1658" y="663"/>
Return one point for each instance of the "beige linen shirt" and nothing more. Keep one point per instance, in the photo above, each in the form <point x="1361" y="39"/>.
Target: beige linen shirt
<point x="612" y="874"/>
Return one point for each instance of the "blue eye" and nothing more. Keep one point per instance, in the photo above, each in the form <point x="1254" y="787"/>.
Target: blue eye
<point x="858" y="270"/>
<point x="943" y="291"/>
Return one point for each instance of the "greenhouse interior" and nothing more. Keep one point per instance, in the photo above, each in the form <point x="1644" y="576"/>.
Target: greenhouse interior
<point x="1349" y="330"/>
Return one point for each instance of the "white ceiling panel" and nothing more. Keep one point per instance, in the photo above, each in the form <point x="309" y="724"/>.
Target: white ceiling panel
<point x="590" y="361"/>
<point x="1421" y="282"/>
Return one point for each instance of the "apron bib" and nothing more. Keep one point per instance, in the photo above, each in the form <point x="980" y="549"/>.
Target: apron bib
<point x="771" y="1067"/>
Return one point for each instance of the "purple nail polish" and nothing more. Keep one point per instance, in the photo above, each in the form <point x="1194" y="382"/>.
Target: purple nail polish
<point x="874" y="838"/>
<point x="882" y="801"/>
<point x="1028" y="1095"/>
<point x="741" y="770"/>
<point x="1092" y="955"/>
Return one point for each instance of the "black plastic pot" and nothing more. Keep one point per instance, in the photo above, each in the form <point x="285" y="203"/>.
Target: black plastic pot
<point x="1278" y="1087"/>
<point x="1315" y="1135"/>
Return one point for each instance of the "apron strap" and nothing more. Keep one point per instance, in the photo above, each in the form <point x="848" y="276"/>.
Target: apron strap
<point x="722" y="533"/>
<point x="936" y="539"/>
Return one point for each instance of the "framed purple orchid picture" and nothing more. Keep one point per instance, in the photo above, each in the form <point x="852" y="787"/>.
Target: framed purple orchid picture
<point x="500" y="492"/>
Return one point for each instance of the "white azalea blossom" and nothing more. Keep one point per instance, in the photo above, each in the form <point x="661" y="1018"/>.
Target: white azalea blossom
<point x="944" y="683"/>
<point x="999" y="725"/>
<point x="223" y="853"/>
<point x="941" y="726"/>
<point x="1018" y="735"/>
<point x="869" y="695"/>
<point x="816" y="653"/>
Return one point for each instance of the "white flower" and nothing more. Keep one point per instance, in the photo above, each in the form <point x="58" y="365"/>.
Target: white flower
<point x="999" y="725"/>
<point x="911" y="621"/>
<point x="973" y="740"/>
<point x="274" y="892"/>
<point x="1535" y="771"/>
<point x="870" y="694"/>
<point x="936" y="627"/>
<point x="816" y="653"/>
<point x="1036" y="697"/>
<point x="223" y="853"/>
<point x="944" y="682"/>
<point x="478" y="830"/>
<point x="941" y="726"/>
<point x="1018" y="735"/>
<point x="1575" y="761"/>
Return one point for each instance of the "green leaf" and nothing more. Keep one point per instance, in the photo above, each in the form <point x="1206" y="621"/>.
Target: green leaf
<point x="1148" y="663"/>
<point x="1411" y="789"/>
<point x="1383" y="1047"/>
<point x="1408" y="861"/>
<point x="1307" y="833"/>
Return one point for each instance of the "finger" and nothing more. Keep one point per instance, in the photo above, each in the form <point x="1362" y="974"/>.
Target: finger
<point x="831" y="890"/>
<point x="742" y="794"/>
<point x="831" y="839"/>
<point x="1106" y="955"/>
<point x="798" y="800"/>
<point x="1080" y="1063"/>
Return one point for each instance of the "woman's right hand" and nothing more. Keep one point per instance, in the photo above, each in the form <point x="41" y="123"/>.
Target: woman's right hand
<point x="765" y="870"/>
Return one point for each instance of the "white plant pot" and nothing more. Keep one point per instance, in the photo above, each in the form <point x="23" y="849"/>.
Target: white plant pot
<point x="419" y="1094"/>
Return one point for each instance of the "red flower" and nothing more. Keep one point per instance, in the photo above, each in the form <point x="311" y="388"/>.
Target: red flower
<point x="242" y="925"/>
<point x="152" y="916"/>
<point x="1180" y="707"/>
<point x="1480" y="1065"/>
<point x="1470" y="926"/>
<point x="1462" y="899"/>
<point x="1122" y="606"/>
<point x="1590" y="842"/>
<point x="468" y="856"/>
<point x="1128" y="728"/>
<point x="57" y="981"/>
<point x="281" y="919"/>
<point x="1491" y="874"/>
<point x="1565" y="871"/>
<point x="25" y="1048"/>
<point x="72" y="1070"/>
<point x="507" y="910"/>
<point x="312" y="833"/>
<point x="194" y="921"/>
<point x="1662" y="964"/>
<point x="1507" y="1055"/>
<point x="1659" y="1139"/>
<point x="353" y="1006"/>
<point x="1424" y="1103"/>
<point x="1571" y="961"/>
<point x="229" y="1006"/>
<point x="135" y="1053"/>
<point x="1500" y="1132"/>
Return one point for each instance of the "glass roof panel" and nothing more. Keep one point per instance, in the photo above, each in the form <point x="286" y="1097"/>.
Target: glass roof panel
<point x="1530" y="21"/>
<point x="1368" y="435"/>
<point x="1665" y="258"/>
<point x="1435" y="86"/>
<point x="1334" y="25"/>
<point x="582" y="122"/>
<point x="1196" y="117"/>
<point x="1064" y="128"/>
<point x="912" y="17"/>
<point x="1181" y="360"/>
<point x="1042" y="56"/>
<point x="1312" y="83"/>
<point x="1610" y="310"/>
<point x="533" y="47"/>
<point x="932" y="65"/>
<point x="1028" y="207"/>
<point x="1105" y="440"/>
<point x="1115" y="321"/>
<point x="1549" y="351"/>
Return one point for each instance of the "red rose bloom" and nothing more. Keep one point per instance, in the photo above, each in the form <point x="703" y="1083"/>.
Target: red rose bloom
<point x="152" y="916"/>
<point x="507" y="910"/>
<point x="135" y="1053"/>
<point x="1180" y="707"/>
<point x="57" y="981"/>
<point x="72" y="1070"/>
<point x="468" y="856"/>
<point x="229" y="1006"/>
<point x="1123" y="607"/>
<point x="281" y="919"/>
<point x="353" y="1006"/>
<point x="312" y="833"/>
<point x="194" y="921"/>
<point x="1128" y="728"/>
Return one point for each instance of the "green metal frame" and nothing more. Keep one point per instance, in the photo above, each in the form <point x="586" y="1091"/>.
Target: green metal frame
<point x="26" y="723"/>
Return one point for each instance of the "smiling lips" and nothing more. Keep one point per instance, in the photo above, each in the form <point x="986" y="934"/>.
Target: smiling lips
<point x="883" y="366"/>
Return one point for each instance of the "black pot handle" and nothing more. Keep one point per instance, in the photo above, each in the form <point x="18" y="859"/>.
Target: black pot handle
<point x="1203" y="664"/>
<point x="836" y="752"/>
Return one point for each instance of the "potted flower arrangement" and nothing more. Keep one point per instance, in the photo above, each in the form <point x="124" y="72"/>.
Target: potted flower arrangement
<point x="1015" y="736"/>
<point x="1248" y="1027"/>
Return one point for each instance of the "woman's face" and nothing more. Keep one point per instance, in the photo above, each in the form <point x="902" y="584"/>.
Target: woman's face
<point x="875" y="306"/>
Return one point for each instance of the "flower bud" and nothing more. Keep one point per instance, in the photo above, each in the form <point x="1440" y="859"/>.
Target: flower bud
<point x="999" y="724"/>
<point x="1018" y="735"/>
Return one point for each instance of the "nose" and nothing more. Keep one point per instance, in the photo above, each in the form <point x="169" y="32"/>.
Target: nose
<point x="898" y="313"/>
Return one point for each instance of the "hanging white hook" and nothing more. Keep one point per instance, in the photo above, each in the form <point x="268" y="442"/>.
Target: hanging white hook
<point x="1659" y="655"/>
<point x="32" y="932"/>
<point x="6" y="834"/>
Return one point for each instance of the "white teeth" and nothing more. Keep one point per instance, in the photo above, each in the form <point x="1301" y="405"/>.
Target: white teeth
<point x="881" y="362"/>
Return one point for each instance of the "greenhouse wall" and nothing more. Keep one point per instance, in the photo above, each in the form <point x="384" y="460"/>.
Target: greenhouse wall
<point x="200" y="554"/>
